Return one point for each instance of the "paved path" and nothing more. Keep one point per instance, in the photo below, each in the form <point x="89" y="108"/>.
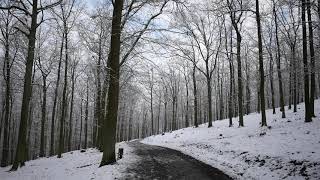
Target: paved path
<point x="164" y="163"/>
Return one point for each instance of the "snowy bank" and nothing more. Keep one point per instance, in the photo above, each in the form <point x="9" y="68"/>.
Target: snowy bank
<point x="73" y="165"/>
<point x="288" y="149"/>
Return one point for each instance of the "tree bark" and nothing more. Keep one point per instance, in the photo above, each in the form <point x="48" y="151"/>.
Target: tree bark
<point x="312" y="60"/>
<point x="52" y="136"/>
<point x="71" y="108"/>
<point x="279" y="63"/>
<point x="261" y="69"/>
<point x="305" y="63"/>
<point x="64" y="94"/>
<point x="110" y="121"/>
<point x="86" y="119"/>
<point x="195" y="101"/>
<point x="21" y="152"/>
<point x="7" y="104"/>
<point x="43" y="115"/>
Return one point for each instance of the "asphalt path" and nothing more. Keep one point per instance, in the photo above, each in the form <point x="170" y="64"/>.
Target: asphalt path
<point x="160" y="163"/>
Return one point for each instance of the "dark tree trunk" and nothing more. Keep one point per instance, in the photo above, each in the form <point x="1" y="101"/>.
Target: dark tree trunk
<point x="187" y="104"/>
<point x="71" y="108"/>
<point x="261" y="69"/>
<point x="240" y="93"/>
<point x="165" y="111"/>
<point x="271" y="81"/>
<point x="80" y="135"/>
<point x="209" y="90"/>
<point x="21" y="152"/>
<point x="98" y="109"/>
<point x="86" y="119"/>
<point x="64" y="94"/>
<point x="295" y="93"/>
<point x="52" y="136"/>
<point x="248" y="92"/>
<point x="312" y="60"/>
<point x="195" y="101"/>
<point x="279" y="64"/>
<point x="43" y="115"/>
<point x="305" y="63"/>
<point x="7" y="104"/>
<point x="110" y="121"/>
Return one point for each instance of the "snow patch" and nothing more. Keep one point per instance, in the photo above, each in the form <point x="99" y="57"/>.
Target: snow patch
<point x="286" y="149"/>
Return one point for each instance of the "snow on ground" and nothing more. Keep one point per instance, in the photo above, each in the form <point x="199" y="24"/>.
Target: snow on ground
<point x="288" y="149"/>
<point x="72" y="165"/>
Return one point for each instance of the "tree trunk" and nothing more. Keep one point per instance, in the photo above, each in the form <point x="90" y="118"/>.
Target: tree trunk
<point x="312" y="60"/>
<point x="187" y="106"/>
<point x="21" y="152"/>
<point x="271" y="82"/>
<point x="7" y="78"/>
<point x="209" y="90"/>
<point x="305" y="63"/>
<point x="52" y="136"/>
<point x="261" y="69"/>
<point x="195" y="101"/>
<point x="110" y="121"/>
<point x="71" y="108"/>
<point x="240" y="93"/>
<point x="64" y="95"/>
<point x="99" y="108"/>
<point x="86" y="119"/>
<point x="248" y="92"/>
<point x="43" y="115"/>
<point x="279" y="63"/>
<point x="80" y="136"/>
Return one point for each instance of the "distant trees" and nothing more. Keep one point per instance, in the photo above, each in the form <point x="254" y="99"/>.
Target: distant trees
<point x="76" y="77"/>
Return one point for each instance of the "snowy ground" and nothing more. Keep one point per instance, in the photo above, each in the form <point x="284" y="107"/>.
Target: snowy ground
<point x="289" y="149"/>
<point x="73" y="165"/>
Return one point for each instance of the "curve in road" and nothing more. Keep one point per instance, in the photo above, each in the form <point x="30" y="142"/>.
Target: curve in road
<point x="164" y="163"/>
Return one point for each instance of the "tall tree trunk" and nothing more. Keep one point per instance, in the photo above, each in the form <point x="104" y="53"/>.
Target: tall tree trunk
<point x="71" y="108"/>
<point x="99" y="108"/>
<point x="64" y="94"/>
<point x="7" y="78"/>
<point x="165" y="111"/>
<point x="305" y="63"/>
<point x="209" y="90"/>
<point x="248" y="92"/>
<point x="295" y="93"/>
<point x="56" y="90"/>
<point x="195" y="101"/>
<point x="240" y="92"/>
<point x="187" y="105"/>
<point x="43" y="115"/>
<point x="271" y="82"/>
<point x="110" y="121"/>
<point x="151" y="103"/>
<point x="21" y="152"/>
<point x="261" y="69"/>
<point x="80" y="135"/>
<point x="279" y="63"/>
<point x="86" y="119"/>
<point x="312" y="59"/>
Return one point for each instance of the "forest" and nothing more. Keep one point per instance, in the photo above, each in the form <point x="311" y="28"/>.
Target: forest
<point x="77" y="74"/>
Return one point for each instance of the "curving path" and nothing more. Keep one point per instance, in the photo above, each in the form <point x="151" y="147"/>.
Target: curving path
<point x="164" y="163"/>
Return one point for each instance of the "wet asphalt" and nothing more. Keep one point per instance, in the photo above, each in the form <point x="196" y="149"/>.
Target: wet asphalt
<point x="160" y="163"/>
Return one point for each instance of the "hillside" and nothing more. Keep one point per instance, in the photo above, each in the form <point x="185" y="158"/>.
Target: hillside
<point x="287" y="149"/>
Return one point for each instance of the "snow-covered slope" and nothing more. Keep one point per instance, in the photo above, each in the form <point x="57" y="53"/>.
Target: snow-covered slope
<point x="288" y="149"/>
<point x="73" y="165"/>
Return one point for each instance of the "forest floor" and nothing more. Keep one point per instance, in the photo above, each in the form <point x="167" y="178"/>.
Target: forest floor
<point x="140" y="161"/>
<point x="288" y="149"/>
<point x="75" y="165"/>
